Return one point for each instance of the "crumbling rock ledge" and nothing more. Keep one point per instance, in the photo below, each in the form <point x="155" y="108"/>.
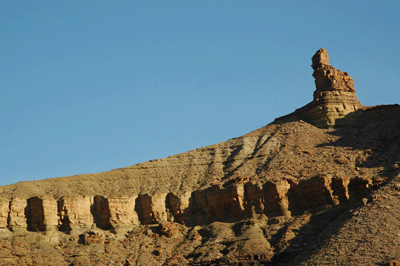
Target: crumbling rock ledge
<point x="228" y="202"/>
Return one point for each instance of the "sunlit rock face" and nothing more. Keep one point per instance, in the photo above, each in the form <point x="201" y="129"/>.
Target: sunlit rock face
<point x="335" y="101"/>
<point x="234" y="201"/>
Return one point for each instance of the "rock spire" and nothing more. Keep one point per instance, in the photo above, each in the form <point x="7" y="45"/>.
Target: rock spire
<point x="335" y="100"/>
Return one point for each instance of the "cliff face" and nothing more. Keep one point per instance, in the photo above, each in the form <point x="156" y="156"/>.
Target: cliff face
<point x="275" y="175"/>
<point x="217" y="203"/>
<point x="244" y="200"/>
<point x="335" y="101"/>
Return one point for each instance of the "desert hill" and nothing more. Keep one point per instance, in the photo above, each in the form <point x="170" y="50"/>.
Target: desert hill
<point x="317" y="182"/>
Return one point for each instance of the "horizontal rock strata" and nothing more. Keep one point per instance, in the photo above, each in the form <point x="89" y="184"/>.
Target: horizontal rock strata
<point x="335" y="100"/>
<point x="217" y="203"/>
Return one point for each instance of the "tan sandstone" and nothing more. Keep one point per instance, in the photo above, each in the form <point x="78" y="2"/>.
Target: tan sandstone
<point x="335" y="100"/>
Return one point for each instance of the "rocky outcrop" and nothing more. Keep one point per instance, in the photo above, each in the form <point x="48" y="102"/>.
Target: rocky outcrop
<point x="152" y="209"/>
<point x="16" y="214"/>
<point x="122" y="211"/>
<point x="277" y="201"/>
<point x="217" y="202"/>
<point x="335" y="101"/>
<point x="73" y="212"/>
<point x="41" y="214"/>
<point x="230" y="202"/>
<point x="4" y="212"/>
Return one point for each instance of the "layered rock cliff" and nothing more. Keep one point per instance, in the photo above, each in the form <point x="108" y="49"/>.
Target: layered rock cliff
<point x="242" y="200"/>
<point x="267" y="171"/>
<point x="335" y="101"/>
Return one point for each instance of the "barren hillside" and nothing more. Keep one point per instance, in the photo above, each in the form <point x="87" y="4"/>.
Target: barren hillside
<point x="318" y="186"/>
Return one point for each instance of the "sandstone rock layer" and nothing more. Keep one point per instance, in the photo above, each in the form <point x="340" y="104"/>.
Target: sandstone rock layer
<point x="335" y="101"/>
<point x="217" y="203"/>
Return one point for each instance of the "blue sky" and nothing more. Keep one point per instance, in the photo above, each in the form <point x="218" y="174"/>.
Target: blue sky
<point x="90" y="86"/>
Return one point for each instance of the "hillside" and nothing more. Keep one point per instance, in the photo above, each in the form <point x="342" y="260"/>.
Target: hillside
<point x="317" y="186"/>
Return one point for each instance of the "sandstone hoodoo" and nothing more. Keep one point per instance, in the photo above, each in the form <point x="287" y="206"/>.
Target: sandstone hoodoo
<point x="258" y="199"/>
<point x="335" y="101"/>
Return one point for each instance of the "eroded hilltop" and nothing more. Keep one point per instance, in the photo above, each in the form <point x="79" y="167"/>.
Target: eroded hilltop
<point x="250" y="195"/>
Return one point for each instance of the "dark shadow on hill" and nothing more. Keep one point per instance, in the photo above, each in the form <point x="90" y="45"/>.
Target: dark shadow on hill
<point x="376" y="130"/>
<point x="313" y="236"/>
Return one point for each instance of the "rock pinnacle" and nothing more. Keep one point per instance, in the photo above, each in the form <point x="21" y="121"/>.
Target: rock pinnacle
<point x="335" y="100"/>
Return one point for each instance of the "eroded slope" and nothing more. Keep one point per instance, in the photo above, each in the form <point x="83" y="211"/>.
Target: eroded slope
<point x="256" y="199"/>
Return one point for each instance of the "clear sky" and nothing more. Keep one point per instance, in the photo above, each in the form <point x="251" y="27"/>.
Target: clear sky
<point x="90" y="86"/>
